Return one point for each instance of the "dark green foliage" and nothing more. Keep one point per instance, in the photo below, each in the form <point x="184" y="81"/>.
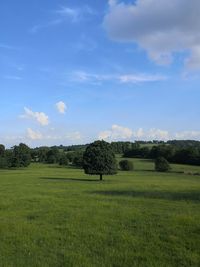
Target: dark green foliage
<point x="42" y="154"/>
<point x="3" y="158"/>
<point x="121" y="147"/>
<point x="2" y="150"/>
<point x="162" y="165"/>
<point x="70" y="156"/>
<point x="63" y="160"/>
<point x="126" y="165"/>
<point x="174" y="154"/>
<point x="34" y="155"/>
<point x="78" y="159"/>
<point x="21" y="156"/>
<point x="3" y="162"/>
<point x="184" y="143"/>
<point x="52" y="156"/>
<point x="99" y="159"/>
<point x="75" y="148"/>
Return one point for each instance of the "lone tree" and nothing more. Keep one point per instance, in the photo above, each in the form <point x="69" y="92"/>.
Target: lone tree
<point x="99" y="159"/>
<point x="162" y="165"/>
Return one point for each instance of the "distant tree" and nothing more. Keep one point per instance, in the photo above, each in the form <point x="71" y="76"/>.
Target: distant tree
<point x="34" y="155"/>
<point x="162" y="165"/>
<point x="99" y="159"/>
<point x="2" y="150"/>
<point x="126" y="165"/>
<point x="21" y="156"/>
<point x="78" y="159"/>
<point x="70" y="156"/>
<point x="3" y="158"/>
<point x="3" y="162"/>
<point x="121" y="147"/>
<point x="52" y="156"/>
<point x="63" y="160"/>
<point x="42" y="154"/>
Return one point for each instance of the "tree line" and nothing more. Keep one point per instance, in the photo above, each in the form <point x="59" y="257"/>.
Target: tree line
<point x="17" y="156"/>
<point x="21" y="156"/>
<point x="183" y="152"/>
<point x="172" y="153"/>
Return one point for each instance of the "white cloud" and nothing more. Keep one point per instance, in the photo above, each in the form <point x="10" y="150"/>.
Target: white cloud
<point x="54" y="136"/>
<point x="117" y="132"/>
<point x="61" y="107"/>
<point x="33" y="135"/>
<point x="138" y="78"/>
<point x="162" y="27"/>
<point x="44" y="25"/>
<point x="138" y="134"/>
<point x="157" y="134"/>
<point x="188" y="135"/>
<point x="123" y="133"/>
<point x="82" y="76"/>
<point x="71" y="13"/>
<point x="40" y="117"/>
<point x="112" y="3"/>
<point x="75" y="14"/>
<point x="65" y="14"/>
<point x="104" y="135"/>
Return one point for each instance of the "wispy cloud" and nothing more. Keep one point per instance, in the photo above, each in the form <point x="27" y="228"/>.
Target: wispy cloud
<point x="135" y="78"/>
<point x="69" y="136"/>
<point x="74" y="13"/>
<point x="188" y="135"/>
<point x="71" y="13"/>
<point x="84" y="77"/>
<point x="34" y="135"/>
<point x="65" y="14"/>
<point x="48" y="24"/>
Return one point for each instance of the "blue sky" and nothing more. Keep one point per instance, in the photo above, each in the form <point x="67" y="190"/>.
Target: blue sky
<point x="77" y="71"/>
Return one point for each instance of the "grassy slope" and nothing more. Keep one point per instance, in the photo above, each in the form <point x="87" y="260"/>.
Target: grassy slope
<point x="52" y="216"/>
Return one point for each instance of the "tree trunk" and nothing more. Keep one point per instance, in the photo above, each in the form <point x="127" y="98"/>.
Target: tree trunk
<point x="101" y="177"/>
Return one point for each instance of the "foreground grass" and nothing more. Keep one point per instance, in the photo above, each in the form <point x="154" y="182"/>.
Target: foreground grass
<point x="51" y="216"/>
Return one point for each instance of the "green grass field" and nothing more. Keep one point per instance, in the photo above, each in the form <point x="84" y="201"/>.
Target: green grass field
<point x="52" y="216"/>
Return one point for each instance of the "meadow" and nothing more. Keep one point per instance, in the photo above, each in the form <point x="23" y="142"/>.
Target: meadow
<point x="58" y="216"/>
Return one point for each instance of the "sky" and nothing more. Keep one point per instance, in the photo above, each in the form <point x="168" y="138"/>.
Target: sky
<point x="72" y="72"/>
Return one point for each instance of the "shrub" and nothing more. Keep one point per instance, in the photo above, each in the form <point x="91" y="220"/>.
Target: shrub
<point x="162" y="165"/>
<point x="126" y="165"/>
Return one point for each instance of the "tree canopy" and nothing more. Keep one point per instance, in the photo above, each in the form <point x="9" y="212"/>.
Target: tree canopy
<point x="99" y="159"/>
